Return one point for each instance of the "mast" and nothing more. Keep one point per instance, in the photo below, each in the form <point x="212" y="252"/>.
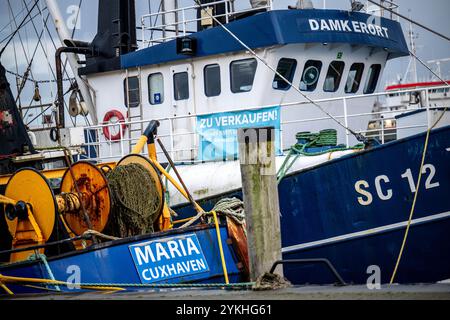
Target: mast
<point x="72" y="58"/>
<point x="412" y="43"/>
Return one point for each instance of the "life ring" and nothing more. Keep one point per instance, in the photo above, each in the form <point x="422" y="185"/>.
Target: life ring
<point x="108" y="116"/>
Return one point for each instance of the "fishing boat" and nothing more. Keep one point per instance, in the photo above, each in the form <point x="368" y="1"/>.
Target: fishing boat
<point x="208" y="68"/>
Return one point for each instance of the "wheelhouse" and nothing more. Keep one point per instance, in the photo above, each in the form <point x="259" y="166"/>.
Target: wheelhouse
<point x="218" y="75"/>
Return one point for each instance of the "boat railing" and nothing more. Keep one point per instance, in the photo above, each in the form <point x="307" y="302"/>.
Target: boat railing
<point x="380" y="124"/>
<point x="169" y="24"/>
<point x="390" y="12"/>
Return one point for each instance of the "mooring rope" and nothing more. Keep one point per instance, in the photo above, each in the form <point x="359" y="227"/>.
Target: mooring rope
<point x="136" y="202"/>
<point x="231" y="207"/>
<point x="324" y="138"/>
<point x="119" y="286"/>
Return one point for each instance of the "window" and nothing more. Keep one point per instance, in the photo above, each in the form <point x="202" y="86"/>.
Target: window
<point x="372" y="79"/>
<point x="354" y="78"/>
<point x="133" y="92"/>
<point x="286" y="67"/>
<point x="211" y="75"/>
<point x="334" y="76"/>
<point x="242" y="73"/>
<point x="311" y="74"/>
<point x="181" y="86"/>
<point x="156" y="88"/>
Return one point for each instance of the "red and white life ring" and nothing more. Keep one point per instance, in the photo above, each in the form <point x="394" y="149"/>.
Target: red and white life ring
<point x="120" y="119"/>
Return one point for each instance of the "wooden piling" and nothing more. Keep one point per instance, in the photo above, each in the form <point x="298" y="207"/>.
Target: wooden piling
<point x="260" y="191"/>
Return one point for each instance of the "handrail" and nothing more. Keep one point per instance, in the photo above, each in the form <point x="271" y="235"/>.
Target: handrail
<point x="180" y="25"/>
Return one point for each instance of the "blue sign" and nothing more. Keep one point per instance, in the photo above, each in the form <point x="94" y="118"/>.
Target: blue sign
<point x="218" y="131"/>
<point x="168" y="258"/>
<point x="157" y="98"/>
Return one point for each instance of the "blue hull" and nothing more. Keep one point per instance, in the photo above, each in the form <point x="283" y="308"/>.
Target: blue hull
<point x="322" y="217"/>
<point x="113" y="263"/>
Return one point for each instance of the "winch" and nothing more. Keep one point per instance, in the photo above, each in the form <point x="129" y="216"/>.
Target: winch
<point x="87" y="202"/>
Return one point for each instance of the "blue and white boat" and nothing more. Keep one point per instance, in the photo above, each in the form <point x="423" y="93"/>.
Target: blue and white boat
<point x="202" y="71"/>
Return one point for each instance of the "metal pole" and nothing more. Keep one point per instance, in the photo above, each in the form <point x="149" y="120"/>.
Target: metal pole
<point x="347" y="133"/>
<point x="427" y="101"/>
<point x="174" y="168"/>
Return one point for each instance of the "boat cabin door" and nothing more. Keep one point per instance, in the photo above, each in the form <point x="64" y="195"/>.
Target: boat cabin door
<point x="183" y="103"/>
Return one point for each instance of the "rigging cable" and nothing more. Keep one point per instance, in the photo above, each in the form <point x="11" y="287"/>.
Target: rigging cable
<point x="45" y="24"/>
<point x="18" y="27"/>
<point x="310" y="100"/>
<point x="20" y="37"/>
<point x="413" y="206"/>
<point x="10" y="20"/>
<point x="28" y="70"/>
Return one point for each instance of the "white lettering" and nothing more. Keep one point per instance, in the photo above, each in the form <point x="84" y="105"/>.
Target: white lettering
<point x="193" y="265"/>
<point x="191" y="247"/>
<point x="201" y="264"/>
<point x="379" y="31"/>
<point x="144" y="256"/>
<point x="380" y="193"/>
<point x="144" y="274"/>
<point x="324" y="26"/>
<point x="173" y="248"/>
<point x="334" y="25"/>
<point x="356" y="26"/>
<point x="171" y="269"/>
<point x="345" y="26"/>
<point x="160" y="251"/>
<point x="363" y="27"/>
<point x="372" y="29"/>
<point x="313" y="24"/>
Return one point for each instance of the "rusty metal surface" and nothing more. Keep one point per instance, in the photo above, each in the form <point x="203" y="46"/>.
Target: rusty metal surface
<point x="95" y="195"/>
<point x="239" y="242"/>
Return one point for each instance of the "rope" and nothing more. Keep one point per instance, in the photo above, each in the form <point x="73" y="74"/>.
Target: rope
<point x="325" y="138"/>
<point x="410" y="20"/>
<point x="135" y="201"/>
<point x="413" y="206"/>
<point x="231" y="207"/>
<point x="271" y="281"/>
<point x="36" y="81"/>
<point x="90" y="233"/>
<point x="43" y="258"/>
<point x="18" y="27"/>
<point x="219" y="240"/>
<point x="121" y="286"/>
<point x="4" y="287"/>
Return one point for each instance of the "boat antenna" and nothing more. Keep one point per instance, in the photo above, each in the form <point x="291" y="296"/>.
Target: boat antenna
<point x="410" y="20"/>
<point x="429" y="69"/>
<point x="358" y="136"/>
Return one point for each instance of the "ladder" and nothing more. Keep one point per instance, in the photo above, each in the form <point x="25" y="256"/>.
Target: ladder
<point x="134" y="113"/>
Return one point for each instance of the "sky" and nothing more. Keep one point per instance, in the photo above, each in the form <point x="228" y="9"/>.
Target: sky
<point x="432" y="13"/>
